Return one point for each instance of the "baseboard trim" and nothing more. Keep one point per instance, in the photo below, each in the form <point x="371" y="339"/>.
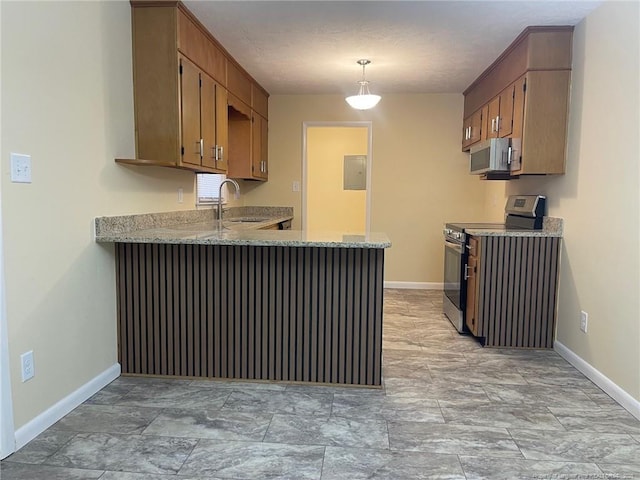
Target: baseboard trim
<point x="610" y="388"/>
<point x="50" y="416"/>
<point x="414" y="285"/>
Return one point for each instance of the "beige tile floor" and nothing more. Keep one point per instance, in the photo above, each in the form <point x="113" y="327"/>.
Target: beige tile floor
<point x="449" y="409"/>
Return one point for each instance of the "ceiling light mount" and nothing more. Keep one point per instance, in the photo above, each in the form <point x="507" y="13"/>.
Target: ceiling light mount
<point x="364" y="100"/>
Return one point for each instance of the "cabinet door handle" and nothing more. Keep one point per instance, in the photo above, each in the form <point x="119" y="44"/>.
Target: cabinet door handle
<point x="466" y="272"/>
<point x="221" y="154"/>
<point x="497" y="123"/>
<point x="493" y="125"/>
<point x="214" y="152"/>
<point x="200" y="147"/>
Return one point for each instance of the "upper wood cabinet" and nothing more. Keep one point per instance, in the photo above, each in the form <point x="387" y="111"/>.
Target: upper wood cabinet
<point x="238" y="83"/>
<point x="181" y="80"/>
<point x="260" y="100"/>
<point x="500" y="114"/>
<point x="525" y="94"/>
<point x="475" y="127"/>
<point x="203" y="122"/>
<point x="194" y="44"/>
<point x="543" y="111"/>
<point x="259" y="147"/>
<point x="248" y="148"/>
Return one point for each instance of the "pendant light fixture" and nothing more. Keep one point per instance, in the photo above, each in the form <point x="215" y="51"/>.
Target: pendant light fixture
<point x="364" y="100"/>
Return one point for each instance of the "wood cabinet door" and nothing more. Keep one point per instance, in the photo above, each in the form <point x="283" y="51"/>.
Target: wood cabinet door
<point x="222" y="128"/>
<point x="257" y="166"/>
<point x="264" y="145"/>
<point x="505" y="122"/>
<point x="466" y="135"/>
<point x="493" y="111"/>
<point x="500" y="112"/>
<point x="472" y="297"/>
<point x="208" y="120"/>
<point x="190" y="112"/>
<point x="474" y="128"/>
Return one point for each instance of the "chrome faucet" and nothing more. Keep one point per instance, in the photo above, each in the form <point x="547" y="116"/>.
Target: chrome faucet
<point x="237" y="193"/>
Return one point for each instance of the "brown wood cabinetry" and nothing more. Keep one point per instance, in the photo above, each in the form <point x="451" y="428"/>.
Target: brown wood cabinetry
<point x="194" y="43"/>
<point x="260" y="100"/>
<point x="471" y="270"/>
<point x="545" y="111"/>
<point x="500" y="114"/>
<point x="182" y="77"/>
<point x="525" y="94"/>
<point x="203" y="118"/>
<point x="179" y="115"/>
<point x="238" y="83"/>
<point x="260" y="146"/>
<point x="475" y="127"/>
<point x="248" y="142"/>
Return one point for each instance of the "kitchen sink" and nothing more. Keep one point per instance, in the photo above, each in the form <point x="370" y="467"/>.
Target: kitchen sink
<point x="245" y="220"/>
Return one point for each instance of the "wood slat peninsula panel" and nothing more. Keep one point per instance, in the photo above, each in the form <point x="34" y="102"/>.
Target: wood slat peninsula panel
<point x="300" y="314"/>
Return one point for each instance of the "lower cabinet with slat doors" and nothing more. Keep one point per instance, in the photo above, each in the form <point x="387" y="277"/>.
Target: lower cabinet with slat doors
<point x="512" y="290"/>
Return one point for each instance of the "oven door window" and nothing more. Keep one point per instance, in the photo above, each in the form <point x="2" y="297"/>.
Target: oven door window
<point x="453" y="272"/>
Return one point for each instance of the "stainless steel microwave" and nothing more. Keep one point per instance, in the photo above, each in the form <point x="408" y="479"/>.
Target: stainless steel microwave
<point x="491" y="155"/>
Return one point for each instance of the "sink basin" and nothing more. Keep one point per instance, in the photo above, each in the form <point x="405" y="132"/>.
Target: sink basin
<point x="245" y="219"/>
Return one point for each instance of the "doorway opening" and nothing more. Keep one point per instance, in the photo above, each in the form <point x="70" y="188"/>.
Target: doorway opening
<point x="336" y="176"/>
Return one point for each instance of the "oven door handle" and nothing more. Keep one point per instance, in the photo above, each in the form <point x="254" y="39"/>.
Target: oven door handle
<point x="455" y="246"/>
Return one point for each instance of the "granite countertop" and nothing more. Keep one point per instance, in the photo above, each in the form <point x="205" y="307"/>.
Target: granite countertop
<point x="199" y="227"/>
<point x="551" y="227"/>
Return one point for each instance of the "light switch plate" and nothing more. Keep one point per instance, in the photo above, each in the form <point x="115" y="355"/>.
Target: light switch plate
<point x="20" y="168"/>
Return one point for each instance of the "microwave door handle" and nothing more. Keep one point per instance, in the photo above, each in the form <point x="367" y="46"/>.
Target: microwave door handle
<point x="509" y="154"/>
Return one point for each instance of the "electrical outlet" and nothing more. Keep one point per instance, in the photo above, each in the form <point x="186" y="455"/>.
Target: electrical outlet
<point x="28" y="368"/>
<point x="180" y="195"/>
<point x="296" y="186"/>
<point x="584" y="319"/>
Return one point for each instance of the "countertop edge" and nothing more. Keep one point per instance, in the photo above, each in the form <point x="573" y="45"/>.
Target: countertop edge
<point x="256" y="242"/>
<point x="552" y="227"/>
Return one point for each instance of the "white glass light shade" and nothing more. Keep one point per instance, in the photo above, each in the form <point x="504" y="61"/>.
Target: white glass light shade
<point x="363" y="100"/>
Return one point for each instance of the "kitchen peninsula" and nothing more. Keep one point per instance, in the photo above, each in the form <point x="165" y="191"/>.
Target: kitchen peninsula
<point x="246" y="303"/>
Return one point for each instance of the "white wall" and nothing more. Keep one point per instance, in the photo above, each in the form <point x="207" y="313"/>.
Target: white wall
<point x="67" y="101"/>
<point x="599" y="196"/>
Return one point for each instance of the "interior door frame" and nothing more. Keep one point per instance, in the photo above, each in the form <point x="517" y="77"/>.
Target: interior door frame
<point x="355" y="124"/>
<point x="7" y="432"/>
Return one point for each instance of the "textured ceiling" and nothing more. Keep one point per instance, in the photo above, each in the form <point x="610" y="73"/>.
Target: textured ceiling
<point x="311" y="47"/>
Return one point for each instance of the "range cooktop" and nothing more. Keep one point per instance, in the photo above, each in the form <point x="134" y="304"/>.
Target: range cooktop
<point x="461" y="227"/>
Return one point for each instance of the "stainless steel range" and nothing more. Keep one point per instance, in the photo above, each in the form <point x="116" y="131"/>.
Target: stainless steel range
<point x="523" y="212"/>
